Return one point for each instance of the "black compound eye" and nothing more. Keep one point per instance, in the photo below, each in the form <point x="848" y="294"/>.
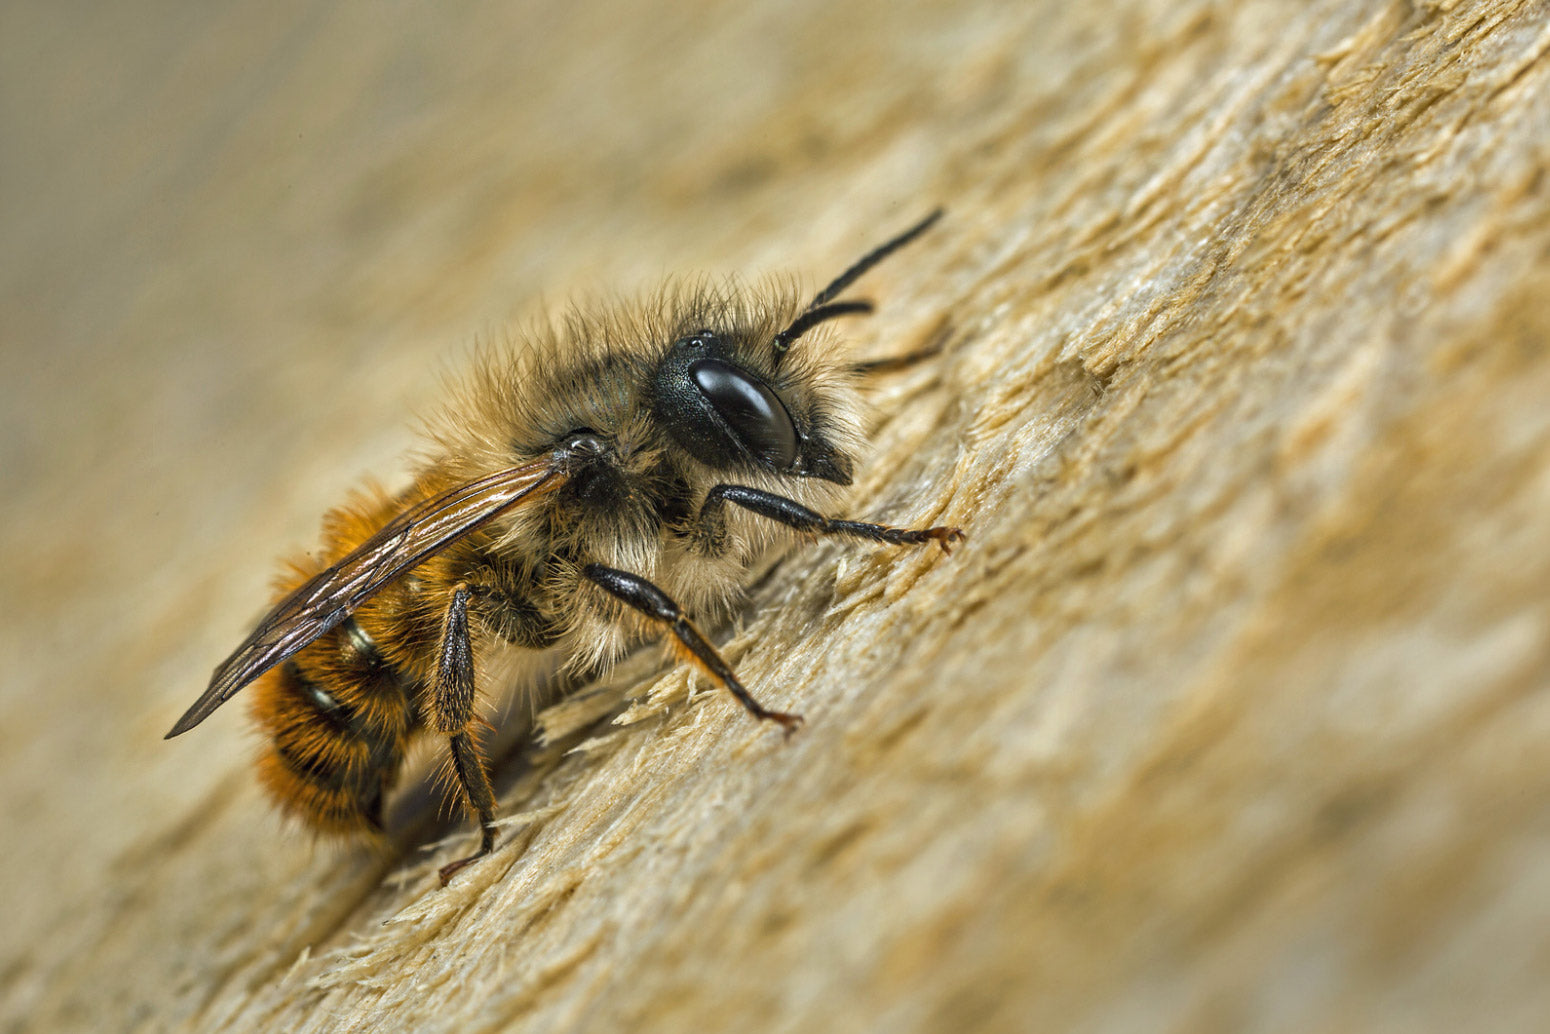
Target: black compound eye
<point x="750" y="409"/>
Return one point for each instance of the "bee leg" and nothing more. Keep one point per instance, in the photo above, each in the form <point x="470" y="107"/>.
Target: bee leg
<point x="452" y="712"/>
<point x="795" y="515"/>
<point x="651" y="601"/>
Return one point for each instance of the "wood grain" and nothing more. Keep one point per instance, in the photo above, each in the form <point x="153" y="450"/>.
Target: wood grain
<point x="1229" y="715"/>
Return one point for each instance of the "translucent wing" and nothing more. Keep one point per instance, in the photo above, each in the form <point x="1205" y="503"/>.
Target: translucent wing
<point x="330" y="597"/>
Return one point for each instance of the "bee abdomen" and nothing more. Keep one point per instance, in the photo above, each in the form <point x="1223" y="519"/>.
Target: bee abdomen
<point x="337" y="733"/>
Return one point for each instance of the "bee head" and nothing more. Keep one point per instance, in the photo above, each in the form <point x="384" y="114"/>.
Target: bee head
<point x="727" y="415"/>
<point x="721" y="397"/>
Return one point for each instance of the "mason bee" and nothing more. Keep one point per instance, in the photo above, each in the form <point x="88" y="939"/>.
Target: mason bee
<point x="586" y="489"/>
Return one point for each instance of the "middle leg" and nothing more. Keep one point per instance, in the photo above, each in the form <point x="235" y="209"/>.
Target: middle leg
<point x="651" y="601"/>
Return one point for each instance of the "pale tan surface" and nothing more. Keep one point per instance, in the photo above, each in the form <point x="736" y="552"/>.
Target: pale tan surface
<point x="1231" y="715"/>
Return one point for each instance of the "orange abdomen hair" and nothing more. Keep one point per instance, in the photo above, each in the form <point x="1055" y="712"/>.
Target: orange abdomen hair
<point x="338" y="716"/>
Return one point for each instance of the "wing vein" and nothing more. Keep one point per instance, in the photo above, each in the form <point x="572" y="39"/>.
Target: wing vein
<point x="327" y="598"/>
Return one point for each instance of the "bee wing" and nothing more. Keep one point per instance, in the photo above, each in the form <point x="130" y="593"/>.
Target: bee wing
<point x="330" y="597"/>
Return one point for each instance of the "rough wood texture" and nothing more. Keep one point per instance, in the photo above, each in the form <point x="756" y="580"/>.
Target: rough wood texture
<point x="1230" y="715"/>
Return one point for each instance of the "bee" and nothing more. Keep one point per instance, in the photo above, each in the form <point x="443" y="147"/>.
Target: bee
<point x="584" y="491"/>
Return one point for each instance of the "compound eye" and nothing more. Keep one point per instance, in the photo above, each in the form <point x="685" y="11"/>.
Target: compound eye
<point x="750" y="409"/>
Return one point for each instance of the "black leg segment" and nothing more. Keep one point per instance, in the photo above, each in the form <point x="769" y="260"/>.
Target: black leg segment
<point x="651" y="601"/>
<point x="468" y="770"/>
<point x="795" y="515"/>
<point x="452" y="697"/>
<point x="452" y="711"/>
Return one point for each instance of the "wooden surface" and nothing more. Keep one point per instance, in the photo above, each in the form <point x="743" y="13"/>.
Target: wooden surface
<point x="1230" y="715"/>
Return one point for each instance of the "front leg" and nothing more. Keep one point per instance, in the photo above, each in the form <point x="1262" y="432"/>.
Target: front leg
<point x="712" y="521"/>
<point x="452" y="715"/>
<point x="651" y="601"/>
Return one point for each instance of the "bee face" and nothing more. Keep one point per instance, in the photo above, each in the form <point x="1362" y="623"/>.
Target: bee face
<point x="730" y="417"/>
